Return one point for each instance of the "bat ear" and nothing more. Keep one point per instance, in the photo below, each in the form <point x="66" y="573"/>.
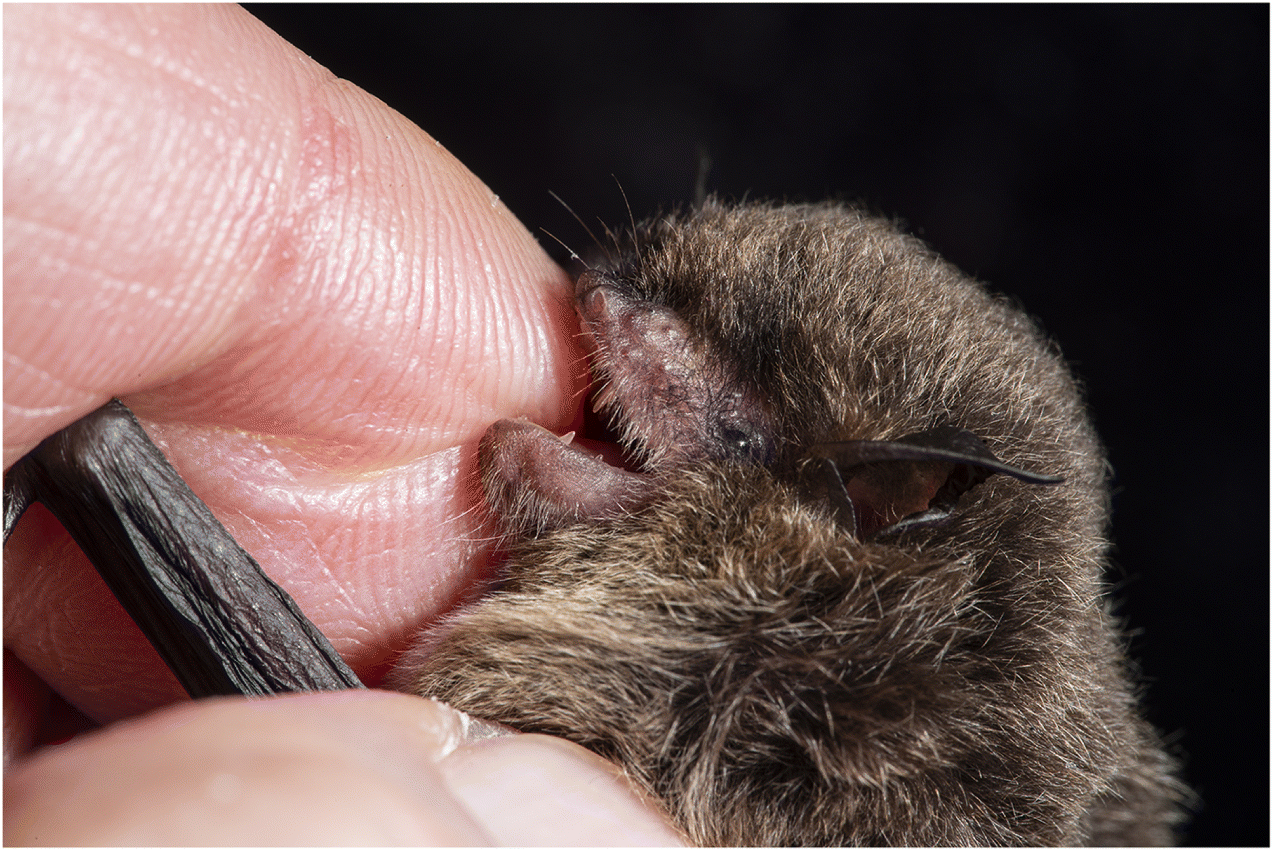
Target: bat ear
<point x="877" y="487"/>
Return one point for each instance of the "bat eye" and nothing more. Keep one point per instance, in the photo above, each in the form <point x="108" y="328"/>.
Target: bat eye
<point x="745" y="443"/>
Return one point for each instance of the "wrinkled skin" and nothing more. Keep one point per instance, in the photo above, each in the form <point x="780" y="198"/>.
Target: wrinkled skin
<point x="316" y="312"/>
<point x="334" y="351"/>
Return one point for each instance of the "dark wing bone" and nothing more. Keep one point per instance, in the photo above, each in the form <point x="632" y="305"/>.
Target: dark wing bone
<point x="218" y="621"/>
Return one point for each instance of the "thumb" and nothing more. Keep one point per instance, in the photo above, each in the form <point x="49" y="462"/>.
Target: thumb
<point x="347" y="768"/>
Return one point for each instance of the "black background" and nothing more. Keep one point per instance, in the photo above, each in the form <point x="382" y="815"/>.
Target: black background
<point x="1107" y="166"/>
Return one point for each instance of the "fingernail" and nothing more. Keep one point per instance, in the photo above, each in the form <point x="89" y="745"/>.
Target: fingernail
<point x="533" y="790"/>
<point x="453" y="728"/>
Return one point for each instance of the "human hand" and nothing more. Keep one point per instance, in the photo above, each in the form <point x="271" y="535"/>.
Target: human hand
<point x="336" y="768"/>
<point x="313" y="309"/>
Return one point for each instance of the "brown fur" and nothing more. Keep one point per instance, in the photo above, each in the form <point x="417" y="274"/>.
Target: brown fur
<point x="766" y="675"/>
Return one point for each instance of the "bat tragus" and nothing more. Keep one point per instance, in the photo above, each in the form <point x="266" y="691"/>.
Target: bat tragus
<point x="847" y="587"/>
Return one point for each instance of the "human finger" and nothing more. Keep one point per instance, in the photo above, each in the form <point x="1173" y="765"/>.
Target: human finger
<point x="312" y="307"/>
<point x="349" y="768"/>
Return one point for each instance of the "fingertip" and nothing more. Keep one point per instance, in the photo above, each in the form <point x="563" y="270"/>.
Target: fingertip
<point x="349" y="768"/>
<point x="530" y="790"/>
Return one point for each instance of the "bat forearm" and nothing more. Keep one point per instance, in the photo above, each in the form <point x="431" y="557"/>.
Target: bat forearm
<point x="218" y="621"/>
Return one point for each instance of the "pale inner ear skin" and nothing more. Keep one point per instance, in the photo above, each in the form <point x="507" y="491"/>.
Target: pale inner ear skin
<point x="883" y="494"/>
<point x="886" y="487"/>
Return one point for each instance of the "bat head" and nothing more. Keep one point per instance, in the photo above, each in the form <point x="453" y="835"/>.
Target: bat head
<point x="845" y="586"/>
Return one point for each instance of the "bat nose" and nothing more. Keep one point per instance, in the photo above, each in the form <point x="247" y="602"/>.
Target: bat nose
<point x="592" y="281"/>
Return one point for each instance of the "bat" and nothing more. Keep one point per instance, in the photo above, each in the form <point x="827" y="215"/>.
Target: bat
<point x="814" y="606"/>
<point x="843" y="587"/>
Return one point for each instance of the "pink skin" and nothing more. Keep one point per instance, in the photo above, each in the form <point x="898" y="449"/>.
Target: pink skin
<point x="312" y="307"/>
